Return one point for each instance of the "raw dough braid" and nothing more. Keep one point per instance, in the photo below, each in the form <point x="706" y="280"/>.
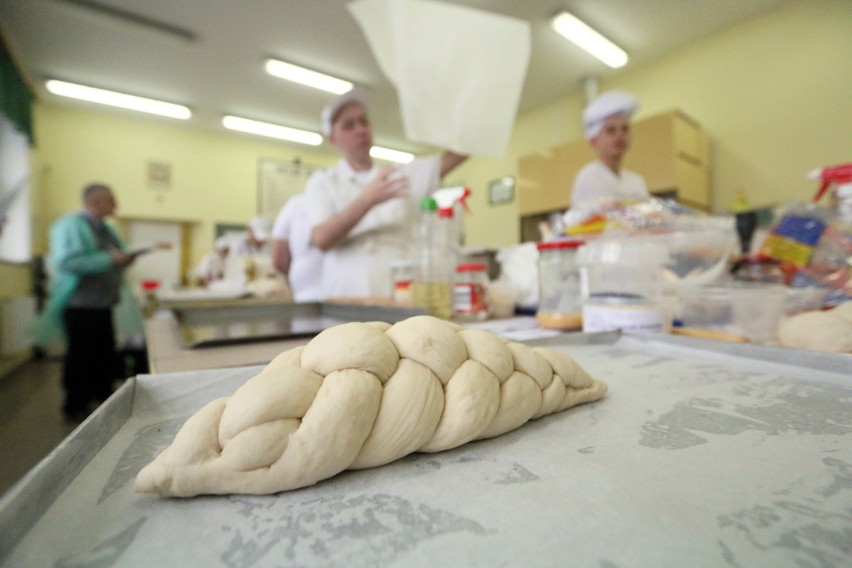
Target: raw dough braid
<point x="361" y="395"/>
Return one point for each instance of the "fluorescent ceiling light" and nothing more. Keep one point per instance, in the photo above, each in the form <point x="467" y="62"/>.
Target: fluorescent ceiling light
<point x="113" y="98"/>
<point x="307" y="77"/>
<point x="391" y="155"/>
<point x="272" y="130"/>
<point x="588" y="39"/>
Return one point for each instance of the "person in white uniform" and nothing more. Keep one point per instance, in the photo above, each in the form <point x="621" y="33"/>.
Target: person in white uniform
<point x="292" y="253"/>
<point x="606" y="122"/>
<point x="362" y="214"/>
<point x="212" y="265"/>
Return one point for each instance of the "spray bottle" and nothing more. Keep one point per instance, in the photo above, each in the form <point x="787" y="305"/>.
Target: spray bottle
<point x="451" y="223"/>
<point x="835" y="245"/>
<point x="448" y="199"/>
<point x="840" y="175"/>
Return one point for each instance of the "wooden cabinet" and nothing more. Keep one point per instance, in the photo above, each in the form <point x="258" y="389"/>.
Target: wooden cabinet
<point x="672" y="153"/>
<point x="670" y="150"/>
<point x="545" y="178"/>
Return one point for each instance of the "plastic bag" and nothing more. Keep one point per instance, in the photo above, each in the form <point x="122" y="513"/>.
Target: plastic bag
<point x="519" y="273"/>
<point x="700" y="245"/>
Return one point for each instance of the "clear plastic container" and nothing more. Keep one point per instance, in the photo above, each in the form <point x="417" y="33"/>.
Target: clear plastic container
<point x="560" y="302"/>
<point x="402" y="277"/>
<point x="621" y="282"/>
<point x="470" y="297"/>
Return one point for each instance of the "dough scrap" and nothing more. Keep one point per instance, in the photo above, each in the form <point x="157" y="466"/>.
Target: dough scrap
<point x="361" y="395"/>
<point x="828" y="331"/>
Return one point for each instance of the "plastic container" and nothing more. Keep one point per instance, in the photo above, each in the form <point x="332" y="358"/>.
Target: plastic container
<point x="150" y="288"/>
<point x="402" y="278"/>
<point x="801" y="300"/>
<point x="757" y="309"/>
<point x="739" y="311"/>
<point x="470" y="292"/>
<point x="560" y="302"/>
<point x="707" y="311"/>
<point x="621" y="282"/>
<point x="433" y="278"/>
<point x="758" y="269"/>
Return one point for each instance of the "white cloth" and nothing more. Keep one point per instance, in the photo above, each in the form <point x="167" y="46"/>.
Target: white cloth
<point x="293" y="225"/>
<point x="596" y="182"/>
<point x="444" y="60"/>
<point x="359" y="266"/>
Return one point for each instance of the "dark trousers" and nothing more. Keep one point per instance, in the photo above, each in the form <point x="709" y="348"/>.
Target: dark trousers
<point x="91" y="364"/>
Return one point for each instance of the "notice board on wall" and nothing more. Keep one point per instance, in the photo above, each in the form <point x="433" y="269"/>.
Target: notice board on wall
<point x="278" y="181"/>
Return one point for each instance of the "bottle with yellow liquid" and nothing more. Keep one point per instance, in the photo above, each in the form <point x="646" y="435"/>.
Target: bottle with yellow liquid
<point x="432" y="288"/>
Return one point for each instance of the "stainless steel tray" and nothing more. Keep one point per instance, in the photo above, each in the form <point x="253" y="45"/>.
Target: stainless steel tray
<point x="212" y="326"/>
<point x="702" y="453"/>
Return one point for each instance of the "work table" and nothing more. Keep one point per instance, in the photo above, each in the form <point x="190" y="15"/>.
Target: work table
<point x="702" y="453"/>
<point x="168" y="353"/>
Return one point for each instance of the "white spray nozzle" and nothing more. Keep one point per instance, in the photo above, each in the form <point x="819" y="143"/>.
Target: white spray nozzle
<point x="447" y="197"/>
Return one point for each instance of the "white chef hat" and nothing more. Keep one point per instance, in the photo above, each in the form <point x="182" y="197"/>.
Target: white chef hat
<point x="329" y="113"/>
<point x="260" y="228"/>
<point x="606" y="105"/>
<point x="221" y="243"/>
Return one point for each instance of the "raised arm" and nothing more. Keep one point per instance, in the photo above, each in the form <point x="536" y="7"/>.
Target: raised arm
<point x="281" y="258"/>
<point x="333" y="230"/>
<point x="450" y="161"/>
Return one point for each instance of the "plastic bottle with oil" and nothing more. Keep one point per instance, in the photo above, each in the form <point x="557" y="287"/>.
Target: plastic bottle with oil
<point x="432" y="288"/>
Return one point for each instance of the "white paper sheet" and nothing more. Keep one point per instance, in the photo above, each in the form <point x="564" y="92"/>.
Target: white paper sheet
<point x="7" y="199"/>
<point x="458" y="72"/>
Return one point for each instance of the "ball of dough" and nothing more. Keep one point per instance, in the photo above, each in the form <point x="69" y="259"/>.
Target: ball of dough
<point x="828" y="331"/>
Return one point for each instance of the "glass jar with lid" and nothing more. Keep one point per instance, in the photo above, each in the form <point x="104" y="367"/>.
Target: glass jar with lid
<point x="470" y="292"/>
<point x="560" y="303"/>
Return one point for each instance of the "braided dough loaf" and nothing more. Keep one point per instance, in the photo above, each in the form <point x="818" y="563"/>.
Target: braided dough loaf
<point x="361" y="395"/>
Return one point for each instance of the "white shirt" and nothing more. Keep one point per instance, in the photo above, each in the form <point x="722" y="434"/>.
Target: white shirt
<point x="211" y="267"/>
<point x="359" y="266"/>
<point x="292" y="224"/>
<point x="596" y="182"/>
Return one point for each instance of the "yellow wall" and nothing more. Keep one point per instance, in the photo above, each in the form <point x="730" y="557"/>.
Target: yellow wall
<point x="773" y="94"/>
<point x="15" y="280"/>
<point x="214" y="175"/>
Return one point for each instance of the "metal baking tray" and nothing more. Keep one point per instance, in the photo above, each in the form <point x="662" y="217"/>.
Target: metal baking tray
<point x="212" y="326"/>
<point x="725" y="454"/>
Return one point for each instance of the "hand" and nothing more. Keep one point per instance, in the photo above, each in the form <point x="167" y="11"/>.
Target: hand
<point x="121" y="258"/>
<point x="388" y="184"/>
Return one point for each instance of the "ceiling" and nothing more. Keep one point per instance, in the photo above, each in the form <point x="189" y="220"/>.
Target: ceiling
<point x="208" y="54"/>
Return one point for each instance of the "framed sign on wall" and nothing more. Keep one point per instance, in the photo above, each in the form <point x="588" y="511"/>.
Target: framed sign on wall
<point x="277" y="181"/>
<point x="501" y="190"/>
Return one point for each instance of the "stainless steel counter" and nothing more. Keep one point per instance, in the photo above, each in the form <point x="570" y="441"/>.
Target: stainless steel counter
<point x="214" y="334"/>
<point x="701" y="454"/>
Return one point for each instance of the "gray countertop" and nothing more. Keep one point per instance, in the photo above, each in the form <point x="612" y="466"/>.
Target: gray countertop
<point x="701" y="454"/>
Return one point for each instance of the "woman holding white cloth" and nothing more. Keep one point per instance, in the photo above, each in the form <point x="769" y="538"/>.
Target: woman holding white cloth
<point x="361" y="214"/>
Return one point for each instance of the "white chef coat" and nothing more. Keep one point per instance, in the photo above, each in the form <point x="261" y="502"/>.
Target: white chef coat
<point x="293" y="225"/>
<point x="211" y="267"/>
<point x="596" y="182"/>
<point x="359" y="266"/>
